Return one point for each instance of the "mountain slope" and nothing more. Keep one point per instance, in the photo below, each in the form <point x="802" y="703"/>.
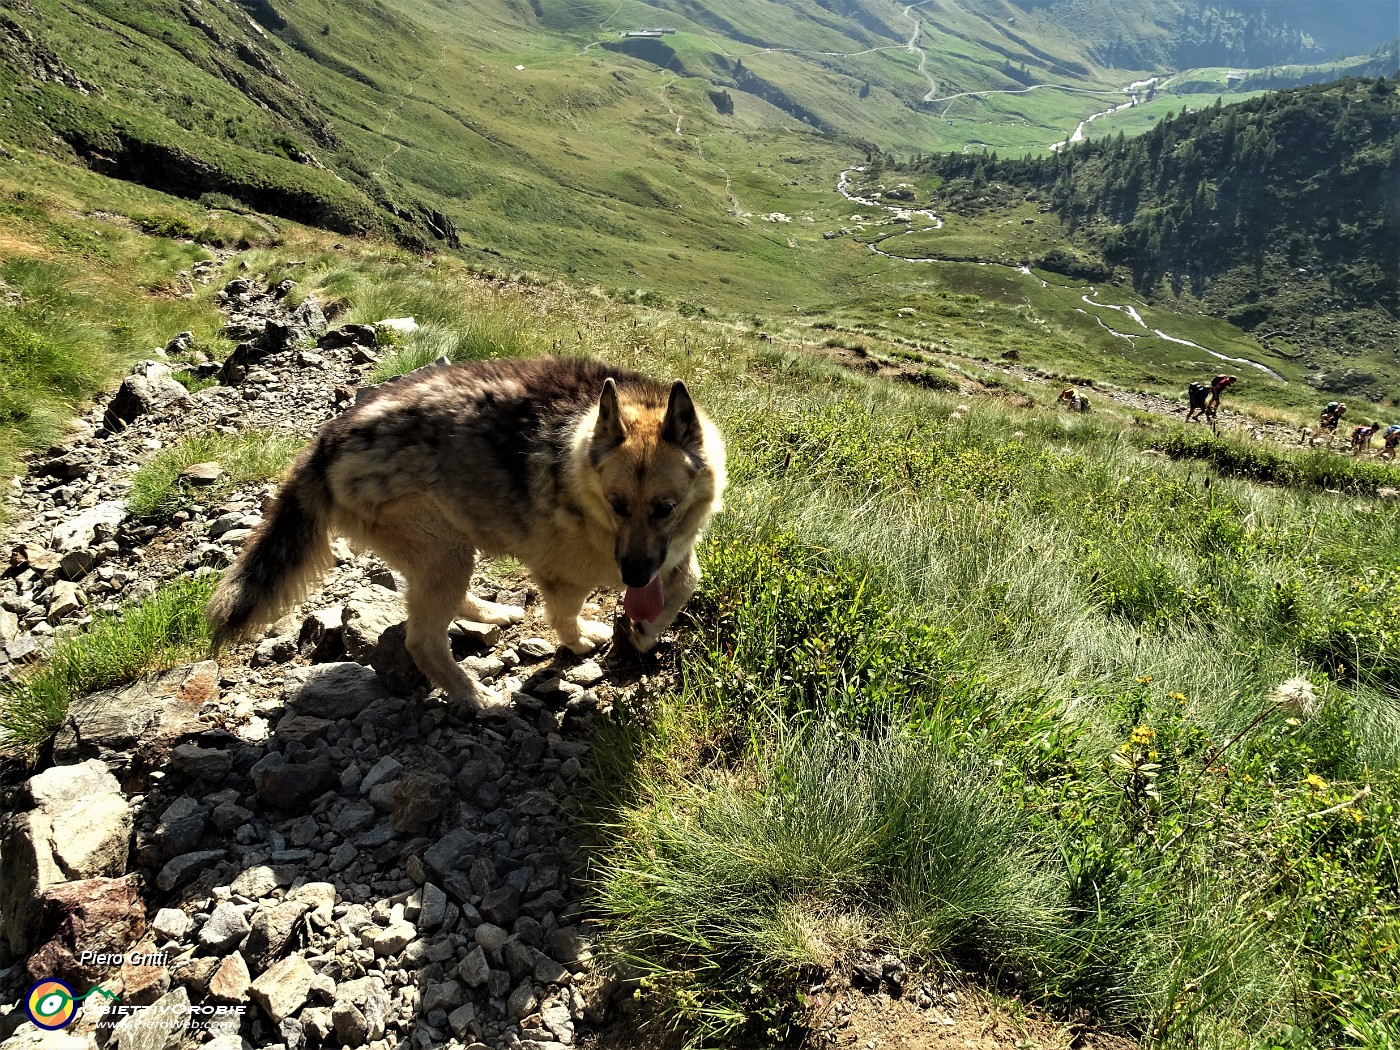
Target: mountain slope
<point x="701" y="170"/>
<point x="408" y="118"/>
<point x="1280" y="214"/>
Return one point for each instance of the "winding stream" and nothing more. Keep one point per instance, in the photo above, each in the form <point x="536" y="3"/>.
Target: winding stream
<point x="1131" y="91"/>
<point x="1131" y="312"/>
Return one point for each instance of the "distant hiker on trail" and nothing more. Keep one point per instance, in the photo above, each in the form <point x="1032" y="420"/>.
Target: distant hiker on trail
<point x="1332" y="414"/>
<point x="1361" y="438"/>
<point x="1073" y="400"/>
<point x="1217" y="387"/>
<point x="1390" y="441"/>
<point x="1204" y="399"/>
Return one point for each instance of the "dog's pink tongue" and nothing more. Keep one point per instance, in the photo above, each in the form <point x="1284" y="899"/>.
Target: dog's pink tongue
<point x="644" y="603"/>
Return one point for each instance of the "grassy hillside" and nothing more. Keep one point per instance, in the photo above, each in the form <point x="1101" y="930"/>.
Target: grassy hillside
<point x="996" y="688"/>
<point x="1094" y="711"/>
<point x="700" y="169"/>
<point x="1190" y="211"/>
<point x="94" y="274"/>
<point x="1045" y="699"/>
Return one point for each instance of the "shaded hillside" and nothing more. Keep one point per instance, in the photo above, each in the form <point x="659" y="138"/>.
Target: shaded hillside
<point x="1180" y="34"/>
<point x="1280" y="214"/>
<point x="198" y="99"/>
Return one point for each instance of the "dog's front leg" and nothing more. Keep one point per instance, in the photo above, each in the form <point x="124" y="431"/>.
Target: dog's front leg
<point x="563" y="608"/>
<point x="679" y="584"/>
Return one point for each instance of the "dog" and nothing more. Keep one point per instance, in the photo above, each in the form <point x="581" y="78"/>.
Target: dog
<point x="1073" y="400"/>
<point x="592" y="476"/>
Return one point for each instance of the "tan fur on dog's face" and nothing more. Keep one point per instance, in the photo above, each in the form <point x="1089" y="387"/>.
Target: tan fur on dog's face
<point x="650" y="479"/>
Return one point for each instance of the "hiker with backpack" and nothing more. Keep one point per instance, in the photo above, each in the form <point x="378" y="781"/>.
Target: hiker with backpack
<point x="1332" y="414"/>
<point x="1390" y="441"/>
<point x="1361" y="438"/>
<point x="1217" y="387"/>
<point x="1203" y="400"/>
<point x="1073" y="400"/>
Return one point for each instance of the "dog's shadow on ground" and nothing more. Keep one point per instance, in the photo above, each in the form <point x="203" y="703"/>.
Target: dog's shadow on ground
<point x="425" y="866"/>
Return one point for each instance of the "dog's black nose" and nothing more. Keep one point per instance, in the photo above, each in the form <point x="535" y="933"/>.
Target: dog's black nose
<point x="637" y="572"/>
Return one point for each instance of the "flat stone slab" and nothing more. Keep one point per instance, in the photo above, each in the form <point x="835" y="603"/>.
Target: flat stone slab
<point x="154" y="711"/>
<point x="333" y="691"/>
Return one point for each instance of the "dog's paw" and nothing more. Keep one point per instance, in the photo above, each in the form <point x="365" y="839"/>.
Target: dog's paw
<point x="591" y="635"/>
<point x="640" y="636"/>
<point x="481" y="703"/>
<point x="493" y="613"/>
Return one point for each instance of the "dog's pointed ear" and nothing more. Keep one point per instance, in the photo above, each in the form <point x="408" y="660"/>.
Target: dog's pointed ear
<point x="608" y="431"/>
<point x="681" y="426"/>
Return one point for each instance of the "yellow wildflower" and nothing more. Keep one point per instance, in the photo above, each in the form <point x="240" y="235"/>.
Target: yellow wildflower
<point x="1142" y="735"/>
<point x="1315" y="783"/>
<point x="1144" y="679"/>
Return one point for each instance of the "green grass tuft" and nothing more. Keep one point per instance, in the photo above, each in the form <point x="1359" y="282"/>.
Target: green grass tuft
<point x="159" y="631"/>
<point x="157" y="491"/>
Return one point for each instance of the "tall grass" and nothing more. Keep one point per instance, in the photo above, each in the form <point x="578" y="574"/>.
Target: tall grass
<point x="83" y="299"/>
<point x="825" y="842"/>
<point x="484" y="334"/>
<point x="1079" y="638"/>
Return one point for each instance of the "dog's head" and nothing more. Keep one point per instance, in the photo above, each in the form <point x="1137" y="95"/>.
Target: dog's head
<point x="656" y="472"/>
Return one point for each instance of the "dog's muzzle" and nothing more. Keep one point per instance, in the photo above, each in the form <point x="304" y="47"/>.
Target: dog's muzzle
<point x="638" y="572"/>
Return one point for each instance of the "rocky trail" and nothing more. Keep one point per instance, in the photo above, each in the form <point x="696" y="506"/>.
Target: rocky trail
<point x="294" y="846"/>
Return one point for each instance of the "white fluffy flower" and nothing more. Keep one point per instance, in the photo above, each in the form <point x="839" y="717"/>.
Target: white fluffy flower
<point x="1297" y="698"/>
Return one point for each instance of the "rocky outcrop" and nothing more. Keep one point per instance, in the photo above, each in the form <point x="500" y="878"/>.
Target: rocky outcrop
<point x="79" y="828"/>
<point x="22" y="51"/>
<point x="151" y="387"/>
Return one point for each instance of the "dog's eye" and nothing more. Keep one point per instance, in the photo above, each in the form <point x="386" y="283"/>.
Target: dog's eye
<point x="619" y="506"/>
<point x="662" y="509"/>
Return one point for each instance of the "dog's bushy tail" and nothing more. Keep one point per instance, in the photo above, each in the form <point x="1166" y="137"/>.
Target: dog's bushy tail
<point x="282" y="558"/>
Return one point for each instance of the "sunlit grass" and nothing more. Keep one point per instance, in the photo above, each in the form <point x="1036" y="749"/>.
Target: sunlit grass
<point x="151" y="634"/>
<point x="157" y="490"/>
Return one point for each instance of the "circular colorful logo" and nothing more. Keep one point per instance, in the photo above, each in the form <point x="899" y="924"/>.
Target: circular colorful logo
<point x="50" y="1004"/>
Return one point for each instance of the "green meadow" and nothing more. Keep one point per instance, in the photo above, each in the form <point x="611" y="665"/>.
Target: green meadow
<point x="1086" y="711"/>
<point x="1096" y="712"/>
